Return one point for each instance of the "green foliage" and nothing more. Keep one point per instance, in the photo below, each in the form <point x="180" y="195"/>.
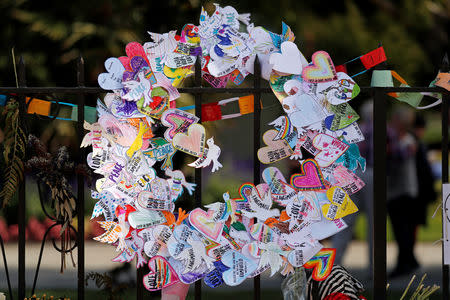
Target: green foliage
<point x="13" y="152"/>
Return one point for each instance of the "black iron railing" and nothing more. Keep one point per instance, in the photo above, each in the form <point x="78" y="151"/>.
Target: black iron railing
<point x="379" y="123"/>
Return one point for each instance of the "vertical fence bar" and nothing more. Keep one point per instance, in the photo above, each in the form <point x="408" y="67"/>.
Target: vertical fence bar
<point x="22" y="199"/>
<point x="256" y="146"/>
<point x="379" y="195"/>
<point x="198" y="171"/>
<point x="444" y="112"/>
<point x="80" y="181"/>
<point x="139" y="283"/>
<point x="5" y="263"/>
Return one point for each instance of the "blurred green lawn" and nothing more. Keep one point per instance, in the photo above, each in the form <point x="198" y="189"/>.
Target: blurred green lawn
<point x="429" y="233"/>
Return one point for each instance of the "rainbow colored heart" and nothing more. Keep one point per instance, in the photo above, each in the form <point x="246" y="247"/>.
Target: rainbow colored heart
<point x="322" y="263"/>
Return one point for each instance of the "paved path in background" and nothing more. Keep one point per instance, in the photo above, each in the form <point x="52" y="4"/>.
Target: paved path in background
<point x="98" y="259"/>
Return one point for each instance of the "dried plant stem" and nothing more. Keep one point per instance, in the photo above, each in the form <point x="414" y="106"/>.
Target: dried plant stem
<point x="407" y="288"/>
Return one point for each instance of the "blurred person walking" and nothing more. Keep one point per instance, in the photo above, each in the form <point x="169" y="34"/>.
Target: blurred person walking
<point x="402" y="188"/>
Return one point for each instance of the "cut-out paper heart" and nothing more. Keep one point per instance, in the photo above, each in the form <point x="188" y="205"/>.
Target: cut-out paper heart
<point x="341" y="204"/>
<point x="203" y="222"/>
<point x="321" y="70"/>
<point x="161" y="274"/>
<point x="178" y="121"/>
<point x="289" y="61"/>
<point x="344" y="115"/>
<point x="347" y="180"/>
<point x="340" y="91"/>
<point x="322" y="263"/>
<point x="275" y="150"/>
<point x="303" y="253"/>
<point x="330" y="149"/>
<point x="274" y="178"/>
<point x="113" y="79"/>
<point x="193" y="142"/>
<point x="240" y="267"/>
<point x="310" y="177"/>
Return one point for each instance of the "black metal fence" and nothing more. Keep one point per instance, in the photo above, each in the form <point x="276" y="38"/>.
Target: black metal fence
<point x="380" y="139"/>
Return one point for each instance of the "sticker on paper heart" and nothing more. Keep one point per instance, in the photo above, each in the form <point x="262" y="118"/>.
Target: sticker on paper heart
<point x="113" y="79"/>
<point x="240" y="267"/>
<point x="161" y="274"/>
<point x="303" y="253"/>
<point x="322" y="263"/>
<point x="202" y="221"/>
<point x="178" y="121"/>
<point x="275" y="150"/>
<point x="310" y="177"/>
<point x="330" y="149"/>
<point x="289" y="61"/>
<point x="341" y="204"/>
<point x="321" y="70"/>
<point x="193" y="142"/>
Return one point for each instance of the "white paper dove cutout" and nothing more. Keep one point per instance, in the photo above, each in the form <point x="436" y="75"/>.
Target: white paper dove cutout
<point x="222" y="210"/>
<point x="302" y="109"/>
<point x="176" y="182"/>
<point x="211" y="155"/>
<point x="259" y="207"/>
<point x="137" y="89"/>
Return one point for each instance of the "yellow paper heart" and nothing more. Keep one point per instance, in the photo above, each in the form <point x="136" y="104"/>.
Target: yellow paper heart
<point x="341" y="204"/>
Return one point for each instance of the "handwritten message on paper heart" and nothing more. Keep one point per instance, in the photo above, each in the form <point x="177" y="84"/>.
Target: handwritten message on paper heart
<point x="275" y="150"/>
<point x="161" y="274"/>
<point x="330" y="149"/>
<point x="289" y="61"/>
<point x="193" y="142"/>
<point x="321" y="70"/>
<point x="303" y="253"/>
<point x="341" y="204"/>
<point x="240" y="267"/>
<point x="177" y="121"/>
<point x="322" y="263"/>
<point x="113" y="79"/>
<point x="347" y="180"/>
<point x="310" y="177"/>
<point x="204" y="223"/>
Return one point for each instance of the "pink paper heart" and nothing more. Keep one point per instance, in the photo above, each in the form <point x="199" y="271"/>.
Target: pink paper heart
<point x="310" y="177"/>
<point x="321" y="70"/>
<point x="135" y="49"/>
<point x="203" y="222"/>
<point x="193" y="142"/>
<point x="330" y="149"/>
<point x="275" y="150"/>
<point x="161" y="274"/>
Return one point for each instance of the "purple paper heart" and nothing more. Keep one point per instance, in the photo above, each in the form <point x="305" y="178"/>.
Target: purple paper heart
<point x="136" y="63"/>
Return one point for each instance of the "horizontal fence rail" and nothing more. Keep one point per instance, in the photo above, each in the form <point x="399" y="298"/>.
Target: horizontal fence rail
<point x="379" y="123"/>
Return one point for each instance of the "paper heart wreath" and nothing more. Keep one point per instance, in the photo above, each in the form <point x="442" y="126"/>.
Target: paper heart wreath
<point x="274" y="225"/>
